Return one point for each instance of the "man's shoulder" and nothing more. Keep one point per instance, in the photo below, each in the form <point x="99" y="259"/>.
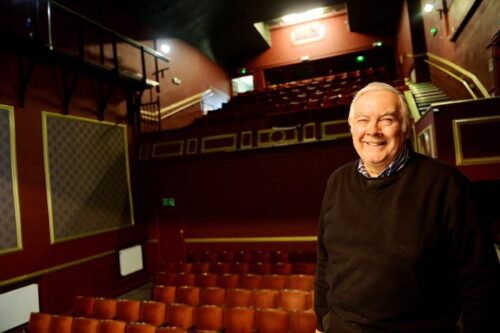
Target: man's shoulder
<point x="436" y="167"/>
<point x="344" y="170"/>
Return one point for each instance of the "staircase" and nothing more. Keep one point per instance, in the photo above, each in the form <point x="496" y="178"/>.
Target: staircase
<point x="425" y="94"/>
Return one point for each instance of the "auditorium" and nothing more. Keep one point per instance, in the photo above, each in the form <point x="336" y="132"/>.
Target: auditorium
<point x="201" y="179"/>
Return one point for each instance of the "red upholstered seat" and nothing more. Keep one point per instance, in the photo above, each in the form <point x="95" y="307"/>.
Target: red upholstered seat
<point x="301" y="282"/>
<point x="271" y="321"/>
<point x="240" y="268"/>
<point x="220" y="267"/>
<point x="238" y="298"/>
<point x="226" y="256"/>
<point x="165" y="278"/>
<point x="112" y="326"/>
<point x="188" y="295"/>
<point x="239" y="320"/>
<point x="208" y="317"/>
<point x="228" y="281"/>
<point x="265" y="298"/>
<point x="136" y="327"/>
<point x="185" y="267"/>
<point x="153" y="313"/>
<point x="260" y="268"/>
<point x="39" y="322"/>
<point x="201" y="267"/>
<point x="104" y="308"/>
<point x="251" y="281"/>
<point x="206" y="280"/>
<point x="84" y="306"/>
<point x="85" y="325"/>
<point x="274" y="281"/>
<point x="167" y="329"/>
<point x="282" y="268"/>
<point x="185" y="279"/>
<point x="302" y="321"/>
<point x="180" y="315"/>
<point x="279" y="256"/>
<point x="164" y="294"/>
<point x="213" y="296"/>
<point x="128" y="310"/>
<point x="294" y="300"/>
<point x="60" y="324"/>
<point x="306" y="268"/>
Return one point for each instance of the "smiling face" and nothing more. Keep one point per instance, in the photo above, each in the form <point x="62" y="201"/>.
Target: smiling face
<point x="376" y="127"/>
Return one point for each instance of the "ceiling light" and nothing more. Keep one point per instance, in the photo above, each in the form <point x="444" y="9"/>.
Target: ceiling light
<point x="311" y="14"/>
<point x="429" y="7"/>
<point x="165" y="48"/>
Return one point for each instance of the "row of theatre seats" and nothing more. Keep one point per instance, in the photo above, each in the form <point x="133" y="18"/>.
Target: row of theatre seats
<point x="228" y="280"/>
<point x="284" y="268"/>
<point x="286" y="299"/>
<point x="298" y="96"/>
<point x="252" y="256"/>
<point x="100" y="315"/>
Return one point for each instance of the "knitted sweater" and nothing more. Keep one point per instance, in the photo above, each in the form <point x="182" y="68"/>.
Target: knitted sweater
<point x="404" y="253"/>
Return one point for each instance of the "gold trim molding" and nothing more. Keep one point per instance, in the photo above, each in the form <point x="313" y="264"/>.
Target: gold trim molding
<point x="180" y="143"/>
<point x="335" y="136"/>
<point x="54" y="268"/>
<point x="283" y="239"/>
<point x="45" y="116"/>
<point x="426" y="141"/>
<point x="457" y="140"/>
<point x="206" y="139"/>
<point x="15" y="190"/>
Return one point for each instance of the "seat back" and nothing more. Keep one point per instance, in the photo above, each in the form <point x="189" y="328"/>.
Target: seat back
<point x="104" y="308"/>
<point x="128" y="310"/>
<point x="239" y="320"/>
<point x="188" y="295"/>
<point x="112" y="326"/>
<point x="238" y="298"/>
<point x="85" y="325"/>
<point x="271" y="321"/>
<point x="165" y="294"/>
<point x="208" y="317"/>
<point x="39" y="322"/>
<point x="153" y="313"/>
<point x="84" y="306"/>
<point x="213" y="296"/>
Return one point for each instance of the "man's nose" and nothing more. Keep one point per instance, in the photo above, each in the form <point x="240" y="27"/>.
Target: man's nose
<point x="372" y="128"/>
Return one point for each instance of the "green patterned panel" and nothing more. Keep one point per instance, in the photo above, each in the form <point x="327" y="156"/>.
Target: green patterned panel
<point x="86" y="167"/>
<point x="10" y="230"/>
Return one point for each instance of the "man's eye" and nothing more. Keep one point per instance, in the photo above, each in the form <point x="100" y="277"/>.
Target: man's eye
<point x="362" y="121"/>
<point x="387" y="121"/>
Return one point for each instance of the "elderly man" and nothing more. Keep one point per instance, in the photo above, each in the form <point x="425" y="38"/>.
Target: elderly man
<point x="400" y="246"/>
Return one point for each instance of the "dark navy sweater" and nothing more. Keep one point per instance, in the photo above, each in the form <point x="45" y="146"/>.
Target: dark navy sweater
<point x="404" y="253"/>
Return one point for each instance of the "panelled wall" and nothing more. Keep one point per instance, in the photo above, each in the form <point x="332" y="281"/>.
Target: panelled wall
<point x="70" y="231"/>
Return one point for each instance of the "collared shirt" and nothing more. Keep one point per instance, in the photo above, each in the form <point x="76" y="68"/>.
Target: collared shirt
<point x="394" y="166"/>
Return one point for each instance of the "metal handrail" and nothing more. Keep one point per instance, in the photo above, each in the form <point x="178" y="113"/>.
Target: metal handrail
<point x="119" y="36"/>
<point x="460" y="70"/>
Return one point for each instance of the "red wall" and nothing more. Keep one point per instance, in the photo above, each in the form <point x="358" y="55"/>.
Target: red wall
<point x="69" y="268"/>
<point x="403" y="43"/>
<point x="197" y="72"/>
<point x="58" y="284"/>
<point x="259" y="193"/>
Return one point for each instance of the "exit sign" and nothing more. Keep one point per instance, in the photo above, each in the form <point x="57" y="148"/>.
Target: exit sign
<point x="168" y="202"/>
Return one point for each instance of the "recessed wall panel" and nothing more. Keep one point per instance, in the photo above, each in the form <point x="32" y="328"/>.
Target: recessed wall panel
<point x="86" y="168"/>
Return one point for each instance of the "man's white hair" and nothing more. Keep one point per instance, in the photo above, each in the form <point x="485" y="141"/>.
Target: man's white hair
<point x="406" y="118"/>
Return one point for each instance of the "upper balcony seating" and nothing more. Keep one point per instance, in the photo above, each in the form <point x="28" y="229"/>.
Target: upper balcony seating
<point x="320" y="93"/>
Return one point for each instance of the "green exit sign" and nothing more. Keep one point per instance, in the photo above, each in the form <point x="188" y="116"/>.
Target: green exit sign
<point x="168" y="202"/>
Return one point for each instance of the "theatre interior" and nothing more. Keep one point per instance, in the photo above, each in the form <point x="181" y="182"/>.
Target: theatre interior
<point x="163" y="162"/>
